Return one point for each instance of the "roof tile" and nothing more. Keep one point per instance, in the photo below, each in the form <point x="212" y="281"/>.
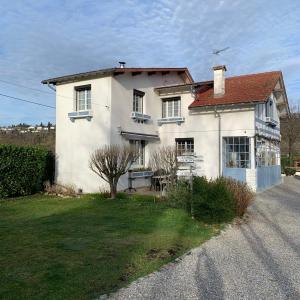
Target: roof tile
<point x="239" y="89"/>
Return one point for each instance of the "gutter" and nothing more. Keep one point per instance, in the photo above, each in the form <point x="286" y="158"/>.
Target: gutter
<point x="51" y="87"/>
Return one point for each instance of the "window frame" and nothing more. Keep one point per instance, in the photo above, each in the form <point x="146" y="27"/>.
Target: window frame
<point x="269" y="108"/>
<point x="87" y="99"/>
<point x="239" y="155"/>
<point x="188" y="143"/>
<point x="140" y="146"/>
<point x="168" y="107"/>
<point x="138" y="102"/>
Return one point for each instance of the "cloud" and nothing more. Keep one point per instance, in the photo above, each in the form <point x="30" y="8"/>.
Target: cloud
<point x="41" y="39"/>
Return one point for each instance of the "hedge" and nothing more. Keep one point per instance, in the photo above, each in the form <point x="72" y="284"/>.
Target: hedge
<point x="24" y="169"/>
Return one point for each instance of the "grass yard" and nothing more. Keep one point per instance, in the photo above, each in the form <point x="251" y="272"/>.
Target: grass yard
<point x="54" y="248"/>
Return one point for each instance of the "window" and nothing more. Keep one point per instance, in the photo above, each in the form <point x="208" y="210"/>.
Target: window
<point x="269" y="108"/>
<point x="237" y="152"/>
<point x="138" y="101"/>
<point x="171" y="107"/>
<point x="184" y="146"/>
<point x="139" y="146"/>
<point x="267" y="153"/>
<point x="83" y="97"/>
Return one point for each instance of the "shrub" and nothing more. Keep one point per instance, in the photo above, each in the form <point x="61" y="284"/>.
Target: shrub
<point x="23" y="169"/>
<point x="289" y="171"/>
<point x="285" y="162"/>
<point x="179" y="195"/>
<point x="212" y="201"/>
<point x="60" y="190"/>
<point x="242" y="194"/>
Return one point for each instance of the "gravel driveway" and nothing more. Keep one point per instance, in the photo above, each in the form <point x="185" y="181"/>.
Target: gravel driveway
<point x="257" y="260"/>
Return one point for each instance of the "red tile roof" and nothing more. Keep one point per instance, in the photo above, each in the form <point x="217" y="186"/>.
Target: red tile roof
<point x="239" y="89"/>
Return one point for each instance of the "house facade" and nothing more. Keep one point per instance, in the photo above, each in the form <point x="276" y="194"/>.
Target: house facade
<point x="230" y="125"/>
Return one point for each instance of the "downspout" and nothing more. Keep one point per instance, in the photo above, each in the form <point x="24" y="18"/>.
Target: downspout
<point x="217" y="115"/>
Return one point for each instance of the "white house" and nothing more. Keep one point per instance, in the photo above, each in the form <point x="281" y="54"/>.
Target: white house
<point x="231" y="125"/>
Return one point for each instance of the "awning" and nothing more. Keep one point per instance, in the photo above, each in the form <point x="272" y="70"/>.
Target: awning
<point x="139" y="136"/>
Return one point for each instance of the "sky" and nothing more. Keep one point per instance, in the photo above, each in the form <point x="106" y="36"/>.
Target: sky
<point x="44" y="39"/>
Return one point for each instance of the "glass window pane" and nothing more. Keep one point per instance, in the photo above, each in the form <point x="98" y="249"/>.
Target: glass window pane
<point x="237" y="152"/>
<point x="164" y="109"/>
<point x="170" y="109"/>
<point x="176" y="108"/>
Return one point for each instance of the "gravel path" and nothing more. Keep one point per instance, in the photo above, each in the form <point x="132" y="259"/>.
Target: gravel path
<point x="257" y="260"/>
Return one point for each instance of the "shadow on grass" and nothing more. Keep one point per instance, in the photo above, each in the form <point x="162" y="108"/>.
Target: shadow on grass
<point x="91" y="249"/>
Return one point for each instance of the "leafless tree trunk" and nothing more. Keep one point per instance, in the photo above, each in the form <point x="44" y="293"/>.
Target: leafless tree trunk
<point x="164" y="160"/>
<point x="290" y="129"/>
<point x="111" y="162"/>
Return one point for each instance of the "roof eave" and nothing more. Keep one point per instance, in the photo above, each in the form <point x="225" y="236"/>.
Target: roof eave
<point x="227" y="104"/>
<point x="111" y="72"/>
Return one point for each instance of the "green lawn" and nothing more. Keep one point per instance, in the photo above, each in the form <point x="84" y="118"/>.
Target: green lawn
<point x="55" y="248"/>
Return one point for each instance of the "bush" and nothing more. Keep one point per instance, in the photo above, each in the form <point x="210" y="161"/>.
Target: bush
<point x="179" y="195"/>
<point x="212" y="201"/>
<point x="242" y="194"/>
<point x="289" y="171"/>
<point x="23" y="169"/>
<point x="60" y="190"/>
<point x="218" y="200"/>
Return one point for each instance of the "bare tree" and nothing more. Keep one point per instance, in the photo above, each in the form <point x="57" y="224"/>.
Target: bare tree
<point x="111" y="162"/>
<point x="290" y="129"/>
<point x="164" y="160"/>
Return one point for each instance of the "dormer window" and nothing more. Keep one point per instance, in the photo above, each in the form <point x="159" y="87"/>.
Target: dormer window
<point x="83" y="97"/>
<point x="138" y="101"/>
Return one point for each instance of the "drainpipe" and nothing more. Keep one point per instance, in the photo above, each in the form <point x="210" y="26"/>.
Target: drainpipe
<point x="217" y="115"/>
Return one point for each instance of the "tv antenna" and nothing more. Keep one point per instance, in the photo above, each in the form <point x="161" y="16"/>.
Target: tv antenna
<point x="217" y="52"/>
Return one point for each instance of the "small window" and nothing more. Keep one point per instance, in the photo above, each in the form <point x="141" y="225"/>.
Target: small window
<point x="83" y="97"/>
<point x="139" y="146"/>
<point x="171" y="107"/>
<point x="269" y="108"/>
<point x="237" y="152"/>
<point x="138" y="101"/>
<point x="184" y="146"/>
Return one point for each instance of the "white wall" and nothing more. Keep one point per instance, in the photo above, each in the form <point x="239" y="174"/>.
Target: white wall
<point x="122" y="99"/>
<point x="203" y="127"/>
<point x="76" y="140"/>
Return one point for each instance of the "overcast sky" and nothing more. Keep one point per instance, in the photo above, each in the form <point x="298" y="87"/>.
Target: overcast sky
<point x="42" y="39"/>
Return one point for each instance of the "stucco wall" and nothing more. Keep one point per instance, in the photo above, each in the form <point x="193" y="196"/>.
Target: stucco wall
<point x="203" y="127"/>
<point x="76" y="140"/>
<point x="122" y="97"/>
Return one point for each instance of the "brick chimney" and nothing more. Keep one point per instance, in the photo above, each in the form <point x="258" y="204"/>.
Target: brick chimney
<point x="219" y="80"/>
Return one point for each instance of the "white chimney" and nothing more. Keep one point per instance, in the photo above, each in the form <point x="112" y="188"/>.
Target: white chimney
<point x="219" y="80"/>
